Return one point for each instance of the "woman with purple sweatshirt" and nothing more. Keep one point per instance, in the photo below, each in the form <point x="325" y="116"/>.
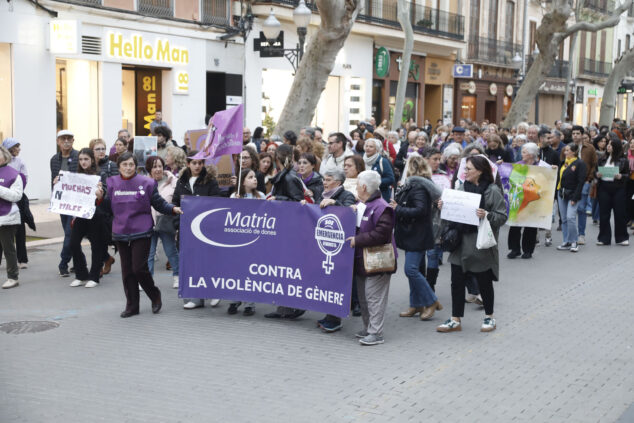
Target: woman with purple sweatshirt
<point x="131" y="198"/>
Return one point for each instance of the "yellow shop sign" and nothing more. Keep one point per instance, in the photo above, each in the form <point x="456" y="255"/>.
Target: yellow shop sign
<point x="136" y="47"/>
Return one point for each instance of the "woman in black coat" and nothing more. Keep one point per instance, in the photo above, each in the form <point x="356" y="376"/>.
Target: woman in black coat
<point x="414" y="234"/>
<point x="570" y="179"/>
<point x="198" y="180"/>
<point x="611" y="193"/>
<point x="312" y="179"/>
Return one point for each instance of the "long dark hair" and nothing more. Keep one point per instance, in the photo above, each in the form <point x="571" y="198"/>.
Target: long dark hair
<point x="243" y="177"/>
<point x="617" y="150"/>
<point x="94" y="168"/>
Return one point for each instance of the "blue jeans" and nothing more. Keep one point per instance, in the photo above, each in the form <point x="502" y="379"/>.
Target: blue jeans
<point x="420" y="293"/>
<point x="169" y="246"/>
<point x="569" y="214"/>
<point x="581" y="209"/>
<point x="595" y="209"/>
<point x="434" y="256"/>
<point x="66" y="253"/>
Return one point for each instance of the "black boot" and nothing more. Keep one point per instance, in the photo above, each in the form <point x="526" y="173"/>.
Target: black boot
<point x="432" y="276"/>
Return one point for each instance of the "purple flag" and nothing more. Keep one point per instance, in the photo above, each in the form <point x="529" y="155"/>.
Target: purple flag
<point x="224" y="135"/>
<point x="283" y="253"/>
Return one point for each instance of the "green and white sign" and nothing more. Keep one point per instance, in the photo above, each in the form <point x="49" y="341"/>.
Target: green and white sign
<point x="382" y="62"/>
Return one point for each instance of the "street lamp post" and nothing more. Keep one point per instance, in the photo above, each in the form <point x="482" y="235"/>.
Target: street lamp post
<point x="272" y="28"/>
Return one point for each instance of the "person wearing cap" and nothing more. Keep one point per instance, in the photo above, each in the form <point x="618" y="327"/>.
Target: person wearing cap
<point x="13" y="146"/>
<point x="66" y="159"/>
<point x="458" y="135"/>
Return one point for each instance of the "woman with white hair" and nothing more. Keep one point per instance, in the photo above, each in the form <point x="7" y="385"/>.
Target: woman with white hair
<point x="375" y="230"/>
<point x="392" y="137"/>
<point x="374" y="160"/>
<point x="450" y="159"/>
<point x="11" y="187"/>
<point x="527" y="239"/>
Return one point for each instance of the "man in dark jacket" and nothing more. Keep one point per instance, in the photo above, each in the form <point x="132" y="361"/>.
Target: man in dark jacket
<point x="546" y="153"/>
<point x="66" y="159"/>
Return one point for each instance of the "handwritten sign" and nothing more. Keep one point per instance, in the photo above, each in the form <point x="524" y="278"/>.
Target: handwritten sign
<point x="442" y="181"/>
<point x="608" y="172"/>
<point x="74" y="195"/>
<point x="460" y="206"/>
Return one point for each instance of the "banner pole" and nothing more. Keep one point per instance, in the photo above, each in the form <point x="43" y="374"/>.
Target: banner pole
<point x="239" y="173"/>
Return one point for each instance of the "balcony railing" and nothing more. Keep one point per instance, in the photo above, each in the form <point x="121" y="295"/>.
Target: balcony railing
<point x="425" y="20"/>
<point x="88" y="2"/>
<point x="602" y="6"/>
<point x="163" y="8"/>
<point x="595" y="68"/>
<point x="492" y="50"/>
<point x="559" y="69"/>
<point x="216" y="12"/>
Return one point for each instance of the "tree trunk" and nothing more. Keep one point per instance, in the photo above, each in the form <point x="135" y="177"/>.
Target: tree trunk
<point x="620" y="70"/>
<point x="571" y="61"/>
<point x="408" y="46"/>
<point x="337" y="17"/>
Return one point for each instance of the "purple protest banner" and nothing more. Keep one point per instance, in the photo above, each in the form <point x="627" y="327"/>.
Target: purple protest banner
<point x="224" y="134"/>
<point x="276" y="252"/>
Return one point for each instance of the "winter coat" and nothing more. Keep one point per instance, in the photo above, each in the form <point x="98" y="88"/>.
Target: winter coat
<point x="287" y="186"/>
<point x="330" y="162"/>
<point x="166" y="188"/>
<point x="108" y="168"/>
<point x="572" y="180"/>
<point x="467" y="255"/>
<point x="549" y="155"/>
<point x="205" y="186"/>
<point x="589" y="157"/>
<point x="384" y="168"/>
<point x="56" y="163"/>
<point x="624" y="170"/>
<point x="343" y="198"/>
<point x="11" y="190"/>
<point x="499" y="154"/>
<point x="414" y="218"/>
<point x="316" y="185"/>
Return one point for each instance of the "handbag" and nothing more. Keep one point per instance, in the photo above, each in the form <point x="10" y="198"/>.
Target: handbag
<point x="450" y="238"/>
<point x="485" y="239"/>
<point x="379" y="259"/>
<point x="166" y="224"/>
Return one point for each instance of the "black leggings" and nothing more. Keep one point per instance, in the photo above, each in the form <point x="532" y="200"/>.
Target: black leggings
<point x="485" y="283"/>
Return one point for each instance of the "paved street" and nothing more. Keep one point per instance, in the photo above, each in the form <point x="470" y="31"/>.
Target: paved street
<point x="563" y="352"/>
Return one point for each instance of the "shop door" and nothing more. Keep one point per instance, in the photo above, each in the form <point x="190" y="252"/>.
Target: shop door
<point x="468" y="108"/>
<point x="490" y="111"/>
<point x="433" y="103"/>
<point x="148" y="98"/>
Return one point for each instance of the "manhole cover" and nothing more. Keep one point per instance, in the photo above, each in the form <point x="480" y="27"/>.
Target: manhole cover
<point x="16" y="328"/>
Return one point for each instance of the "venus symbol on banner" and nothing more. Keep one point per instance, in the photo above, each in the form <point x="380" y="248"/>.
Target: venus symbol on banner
<point x="330" y="238"/>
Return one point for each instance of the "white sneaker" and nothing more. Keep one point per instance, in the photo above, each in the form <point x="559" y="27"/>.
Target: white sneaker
<point x="470" y="298"/>
<point x="191" y="305"/>
<point x="175" y="284"/>
<point x="548" y="242"/>
<point x="76" y="282"/>
<point x="581" y="240"/>
<point x="449" y="326"/>
<point x="624" y="243"/>
<point x="91" y="284"/>
<point x="478" y="300"/>
<point x="24" y="266"/>
<point x="574" y="247"/>
<point x="488" y="324"/>
<point x="214" y="302"/>
<point x="10" y="283"/>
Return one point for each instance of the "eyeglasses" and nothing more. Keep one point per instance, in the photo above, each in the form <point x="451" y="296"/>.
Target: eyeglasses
<point x="100" y="149"/>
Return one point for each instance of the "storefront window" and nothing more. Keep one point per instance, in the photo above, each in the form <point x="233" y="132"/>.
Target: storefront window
<point x="6" y="115"/>
<point x="468" y="107"/>
<point x="410" y="108"/>
<point x="77" y="97"/>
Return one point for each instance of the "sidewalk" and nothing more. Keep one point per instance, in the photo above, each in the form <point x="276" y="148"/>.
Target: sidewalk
<point x="48" y="225"/>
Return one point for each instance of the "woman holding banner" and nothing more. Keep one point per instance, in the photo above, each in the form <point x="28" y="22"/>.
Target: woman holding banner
<point x="93" y="229"/>
<point x="466" y="259"/>
<point x="611" y="193"/>
<point x="287" y="186"/>
<point x="131" y="198"/>
<point x="11" y="189"/>
<point x="414" y="233"/>
<point x="198" y="180"/>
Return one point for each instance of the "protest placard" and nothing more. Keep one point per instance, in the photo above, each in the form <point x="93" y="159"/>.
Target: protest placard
<point x="460" y="206"/>
<point x="608" y="172"/>
<point x="282" y="253"/>
<point x="528" y="192"/>
<point x="195" y="138"/>
<point x="74" y="195"/>
<point x="441" y="181"/>
<point x="144" y="147"/>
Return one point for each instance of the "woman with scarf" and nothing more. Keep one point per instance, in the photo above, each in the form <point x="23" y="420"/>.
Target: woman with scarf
<point x="414" y="233"/>
<point x="11" y="189"/>
<point x="335" y="195"/>
<point x="131" y="198"/>
<point x="466" y="259"/>
<point x="570" y="179"/>
<point x="611" y="195"/>
<point x="374" y="160"/>
<point x="312" y="180"/>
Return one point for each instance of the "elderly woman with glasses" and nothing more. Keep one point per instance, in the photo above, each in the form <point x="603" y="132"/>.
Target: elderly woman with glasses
<point x="527" y="240"/>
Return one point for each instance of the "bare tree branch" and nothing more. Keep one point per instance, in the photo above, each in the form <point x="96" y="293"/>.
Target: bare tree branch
<point x="608" y="104"/>
<point x="610" y="21"/>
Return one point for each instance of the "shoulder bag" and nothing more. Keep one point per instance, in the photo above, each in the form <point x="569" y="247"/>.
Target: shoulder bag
<point x="379" y="259"/>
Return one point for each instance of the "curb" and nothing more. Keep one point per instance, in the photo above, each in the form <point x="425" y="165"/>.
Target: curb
<point x="44" y="242"/>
